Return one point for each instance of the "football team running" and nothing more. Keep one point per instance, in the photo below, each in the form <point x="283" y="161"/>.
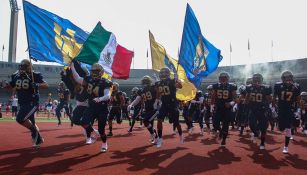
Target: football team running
<point x="252" y="106"/>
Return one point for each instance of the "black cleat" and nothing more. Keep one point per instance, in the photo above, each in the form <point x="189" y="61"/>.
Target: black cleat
<point x="110" y="134"/>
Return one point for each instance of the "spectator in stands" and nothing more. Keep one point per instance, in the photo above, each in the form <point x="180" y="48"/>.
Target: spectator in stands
<point x="7" y="108"/>
<point x="14" y="106"/>
<point x="0" y="110"/>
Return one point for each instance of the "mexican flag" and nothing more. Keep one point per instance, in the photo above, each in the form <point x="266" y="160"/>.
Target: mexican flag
<point x="101" y="47"/>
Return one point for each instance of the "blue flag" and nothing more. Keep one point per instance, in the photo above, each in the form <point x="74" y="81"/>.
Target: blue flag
<point x="50" y="37"/>
<point x="197" y="55"/>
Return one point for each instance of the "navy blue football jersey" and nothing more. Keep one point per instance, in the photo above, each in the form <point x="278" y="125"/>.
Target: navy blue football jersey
<point x="286" y="95"/>
<point x="116" y="98"/>
<point x="63" y="95"/>
<point x="82" y="94"/>
<point x="149" y="97"/>
<point x="257" y="96"/>
<point x="167" y="90"/>
<point x="23" y="85"/>
<point x="95" y="88"/>
<point x="223" y="93"/>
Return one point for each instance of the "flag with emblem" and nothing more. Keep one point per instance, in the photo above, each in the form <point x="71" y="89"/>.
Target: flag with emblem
<point x="101" y="47"/>
<point x="51" y="38"/>
<point x="161" y="59"/>
<point x="198" y="56"/>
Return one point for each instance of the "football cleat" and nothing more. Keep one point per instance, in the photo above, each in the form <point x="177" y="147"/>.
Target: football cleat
<point x="104" y="147"/>
<point x="181" y="139"/>
<point x="89" y="141"/>
<point x="153" y="138"/>
<point x="40" y="140"/>
<point x="110" y="134"/>
<point x="159" y="142"/>
<point x="285" y="150"/>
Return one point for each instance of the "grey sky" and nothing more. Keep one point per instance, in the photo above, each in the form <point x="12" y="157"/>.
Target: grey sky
<point x="221" y="21"/>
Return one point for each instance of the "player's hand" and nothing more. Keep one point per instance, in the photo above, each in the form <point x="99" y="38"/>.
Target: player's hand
<point x="235" y="108"/>
<point x="97" y="100"/>
<point x="128" y="107"/>
<point x="176" y="76"/>
<point x="157" y="104"/>
<point x="297" y="115"/>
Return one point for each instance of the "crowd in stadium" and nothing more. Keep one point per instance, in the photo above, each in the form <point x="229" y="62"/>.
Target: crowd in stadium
<point x="254" y="106"/>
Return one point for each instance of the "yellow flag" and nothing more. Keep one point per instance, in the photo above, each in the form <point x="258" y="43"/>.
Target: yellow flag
<point x="161" y="59"/>
<point x="107" y="76"/>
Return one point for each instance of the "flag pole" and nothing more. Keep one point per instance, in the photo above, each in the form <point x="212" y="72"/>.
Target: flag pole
<point x="272" y="45"/>
<point x="133" y="59"/>
<point x="230" y="49"/>
<point x="31" y="67"/>
<point x="249" y="50"/>
<point x="177" y="62"/>
<point x="147" y="58"/>
<point x="2" y="51"/>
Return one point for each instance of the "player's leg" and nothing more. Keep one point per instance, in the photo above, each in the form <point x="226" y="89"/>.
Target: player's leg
<point x="25" y="117"/>
<point x="58" y="112"/>
<point x="263" y="126"/>
<point x="102" y="114"/>
<point x="225" y="125"/>
<point x="253" y="126"/>
<point x="148" y="123"/>
<point x="68" y="112"/>
<point x="110" y="121"/>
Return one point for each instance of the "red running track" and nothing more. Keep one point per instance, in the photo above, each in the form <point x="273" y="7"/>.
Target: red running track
<point x="64" y="152"/>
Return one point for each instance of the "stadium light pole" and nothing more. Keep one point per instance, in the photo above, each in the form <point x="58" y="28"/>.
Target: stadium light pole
<point x="13" y="31"/>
